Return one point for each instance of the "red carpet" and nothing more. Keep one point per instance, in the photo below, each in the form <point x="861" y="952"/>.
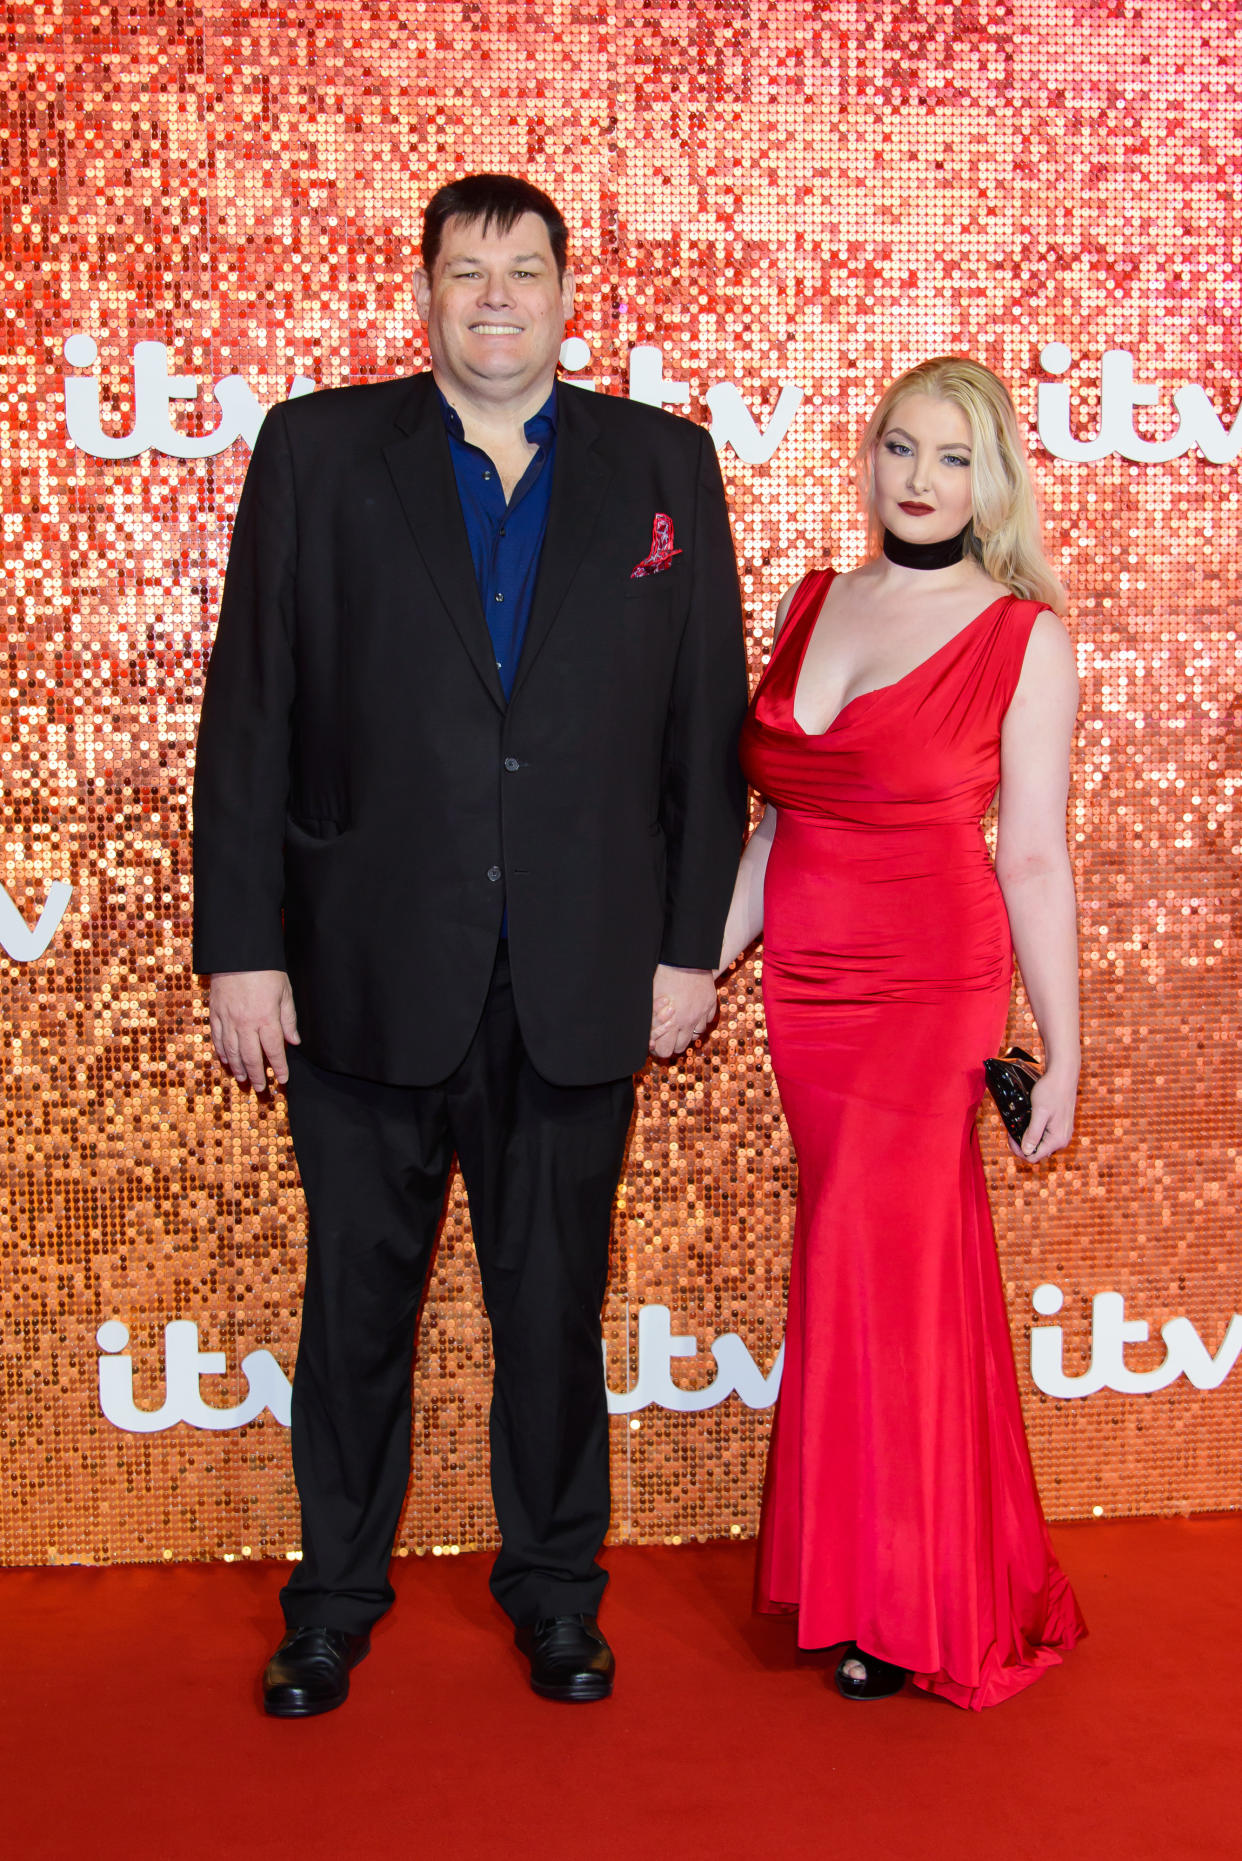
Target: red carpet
<point x="130" y="1725"/>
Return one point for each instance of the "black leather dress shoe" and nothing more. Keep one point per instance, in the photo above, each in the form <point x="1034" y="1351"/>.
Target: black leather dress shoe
<point x="309" y="1671"/>
<point x="569" y="1658"/>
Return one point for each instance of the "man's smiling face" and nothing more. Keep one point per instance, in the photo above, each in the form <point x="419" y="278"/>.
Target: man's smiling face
<point x="495" y="310"/>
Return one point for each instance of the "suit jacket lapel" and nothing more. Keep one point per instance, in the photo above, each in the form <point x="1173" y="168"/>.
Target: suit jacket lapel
<point x="580" y="478"/>
<point x="422" y="471"/>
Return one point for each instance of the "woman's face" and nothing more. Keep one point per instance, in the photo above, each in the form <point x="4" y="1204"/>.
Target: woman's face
<point x="921" y="466"/>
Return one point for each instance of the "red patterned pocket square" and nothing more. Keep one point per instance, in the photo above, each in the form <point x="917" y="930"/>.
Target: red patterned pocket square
<point x="661" y="554"/>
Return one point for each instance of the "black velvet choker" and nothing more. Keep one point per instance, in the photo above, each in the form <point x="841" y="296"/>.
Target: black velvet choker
<point x="940" y="555"/>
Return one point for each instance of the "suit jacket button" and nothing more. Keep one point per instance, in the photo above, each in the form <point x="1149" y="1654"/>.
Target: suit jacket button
<point x="494" y="873"/>
<point x="512" y="763"/>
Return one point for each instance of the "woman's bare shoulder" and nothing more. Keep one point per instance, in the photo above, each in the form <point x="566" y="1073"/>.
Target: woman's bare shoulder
<point x="782" y="610"/>
<point x="1050" y="639"/>
<point x="1049" y="664"/>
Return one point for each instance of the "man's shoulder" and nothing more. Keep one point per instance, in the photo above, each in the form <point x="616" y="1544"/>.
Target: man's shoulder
<point x="634" y="424"/>
<point x="357" y="407"/>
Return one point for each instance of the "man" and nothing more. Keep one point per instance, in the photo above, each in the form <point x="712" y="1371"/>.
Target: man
<point x="466" y="802"/>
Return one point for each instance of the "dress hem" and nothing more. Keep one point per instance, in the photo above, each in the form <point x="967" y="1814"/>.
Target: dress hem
<point x="998" y="1680"/>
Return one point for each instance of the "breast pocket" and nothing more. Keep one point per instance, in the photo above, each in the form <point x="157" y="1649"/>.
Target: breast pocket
<point x="667" y="587"/>
<point x="311" y="831"/>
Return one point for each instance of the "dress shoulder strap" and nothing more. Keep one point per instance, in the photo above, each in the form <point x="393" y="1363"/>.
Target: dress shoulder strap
<point x="808" y="596"/>
<point x="1020" y="617"/>
<point x="1010" y="637"/>
<point x="807" y="600"/>
<point x="1023" y="612"/>
<point x="804" y="606"/>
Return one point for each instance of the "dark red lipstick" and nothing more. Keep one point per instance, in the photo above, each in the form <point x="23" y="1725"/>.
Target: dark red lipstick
<point x="916" y="510"/>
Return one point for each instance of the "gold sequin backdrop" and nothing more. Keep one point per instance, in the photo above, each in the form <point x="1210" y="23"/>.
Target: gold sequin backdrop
<point x="809" y="195"/>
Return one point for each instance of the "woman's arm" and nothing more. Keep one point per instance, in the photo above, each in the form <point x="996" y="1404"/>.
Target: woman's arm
<point x="745" y="919"/>
<point x="1032" y="865"/>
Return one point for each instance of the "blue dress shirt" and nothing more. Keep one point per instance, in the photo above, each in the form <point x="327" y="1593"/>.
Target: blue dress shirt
<point x="505" y="539"/>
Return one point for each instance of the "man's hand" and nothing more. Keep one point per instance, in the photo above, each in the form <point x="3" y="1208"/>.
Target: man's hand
<point x="252" y="1016"/>
<point x="683" y="1005"/>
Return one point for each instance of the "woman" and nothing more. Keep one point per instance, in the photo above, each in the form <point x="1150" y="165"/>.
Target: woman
<point x="900" y="1512"/>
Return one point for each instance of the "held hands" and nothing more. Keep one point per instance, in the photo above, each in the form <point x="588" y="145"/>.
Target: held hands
<point x="683" y="1006"/>
<point x="252" y="1017"/>
<point x="1052" y="1116"/>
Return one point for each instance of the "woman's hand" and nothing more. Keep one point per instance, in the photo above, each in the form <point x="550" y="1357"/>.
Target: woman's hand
<point x="1053" y="1098"/>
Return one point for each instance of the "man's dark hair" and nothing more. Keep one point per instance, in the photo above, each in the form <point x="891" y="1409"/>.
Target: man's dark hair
<point x="492" y="199"/>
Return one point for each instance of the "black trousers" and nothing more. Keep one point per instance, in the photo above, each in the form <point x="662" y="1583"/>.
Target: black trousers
<point x="541" y="1165"/>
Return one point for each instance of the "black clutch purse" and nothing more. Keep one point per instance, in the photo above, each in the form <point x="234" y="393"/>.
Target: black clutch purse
<point x="1009" y="1081"/>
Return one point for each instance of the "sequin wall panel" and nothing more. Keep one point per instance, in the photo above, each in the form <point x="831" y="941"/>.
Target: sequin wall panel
<point x="774" y="208"/>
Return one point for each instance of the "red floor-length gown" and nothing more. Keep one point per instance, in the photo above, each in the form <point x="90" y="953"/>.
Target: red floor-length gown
<point x="900" y="1509"/>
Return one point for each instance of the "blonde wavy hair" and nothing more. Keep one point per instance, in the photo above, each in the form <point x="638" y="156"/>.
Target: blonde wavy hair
<point x="1004" y="532"/>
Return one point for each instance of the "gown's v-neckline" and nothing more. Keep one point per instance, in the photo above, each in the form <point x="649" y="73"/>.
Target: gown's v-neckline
<point x="876" y="690"/>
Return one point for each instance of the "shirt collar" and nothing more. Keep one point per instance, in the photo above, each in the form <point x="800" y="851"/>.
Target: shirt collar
<point x="540" y="429"/>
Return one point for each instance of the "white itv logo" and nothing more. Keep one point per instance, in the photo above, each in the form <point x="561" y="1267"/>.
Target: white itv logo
<point x="267" y="1386"/>
<point x="1185" y="1352"/>
<point x="154" y="391"/>
<point x="1198" y="423"/>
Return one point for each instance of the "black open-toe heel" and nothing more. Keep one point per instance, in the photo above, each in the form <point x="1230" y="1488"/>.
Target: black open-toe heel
<point x="881" y="1680"/>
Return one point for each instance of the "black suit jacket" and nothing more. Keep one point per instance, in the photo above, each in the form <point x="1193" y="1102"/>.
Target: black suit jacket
<point x="365" y="801"/>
